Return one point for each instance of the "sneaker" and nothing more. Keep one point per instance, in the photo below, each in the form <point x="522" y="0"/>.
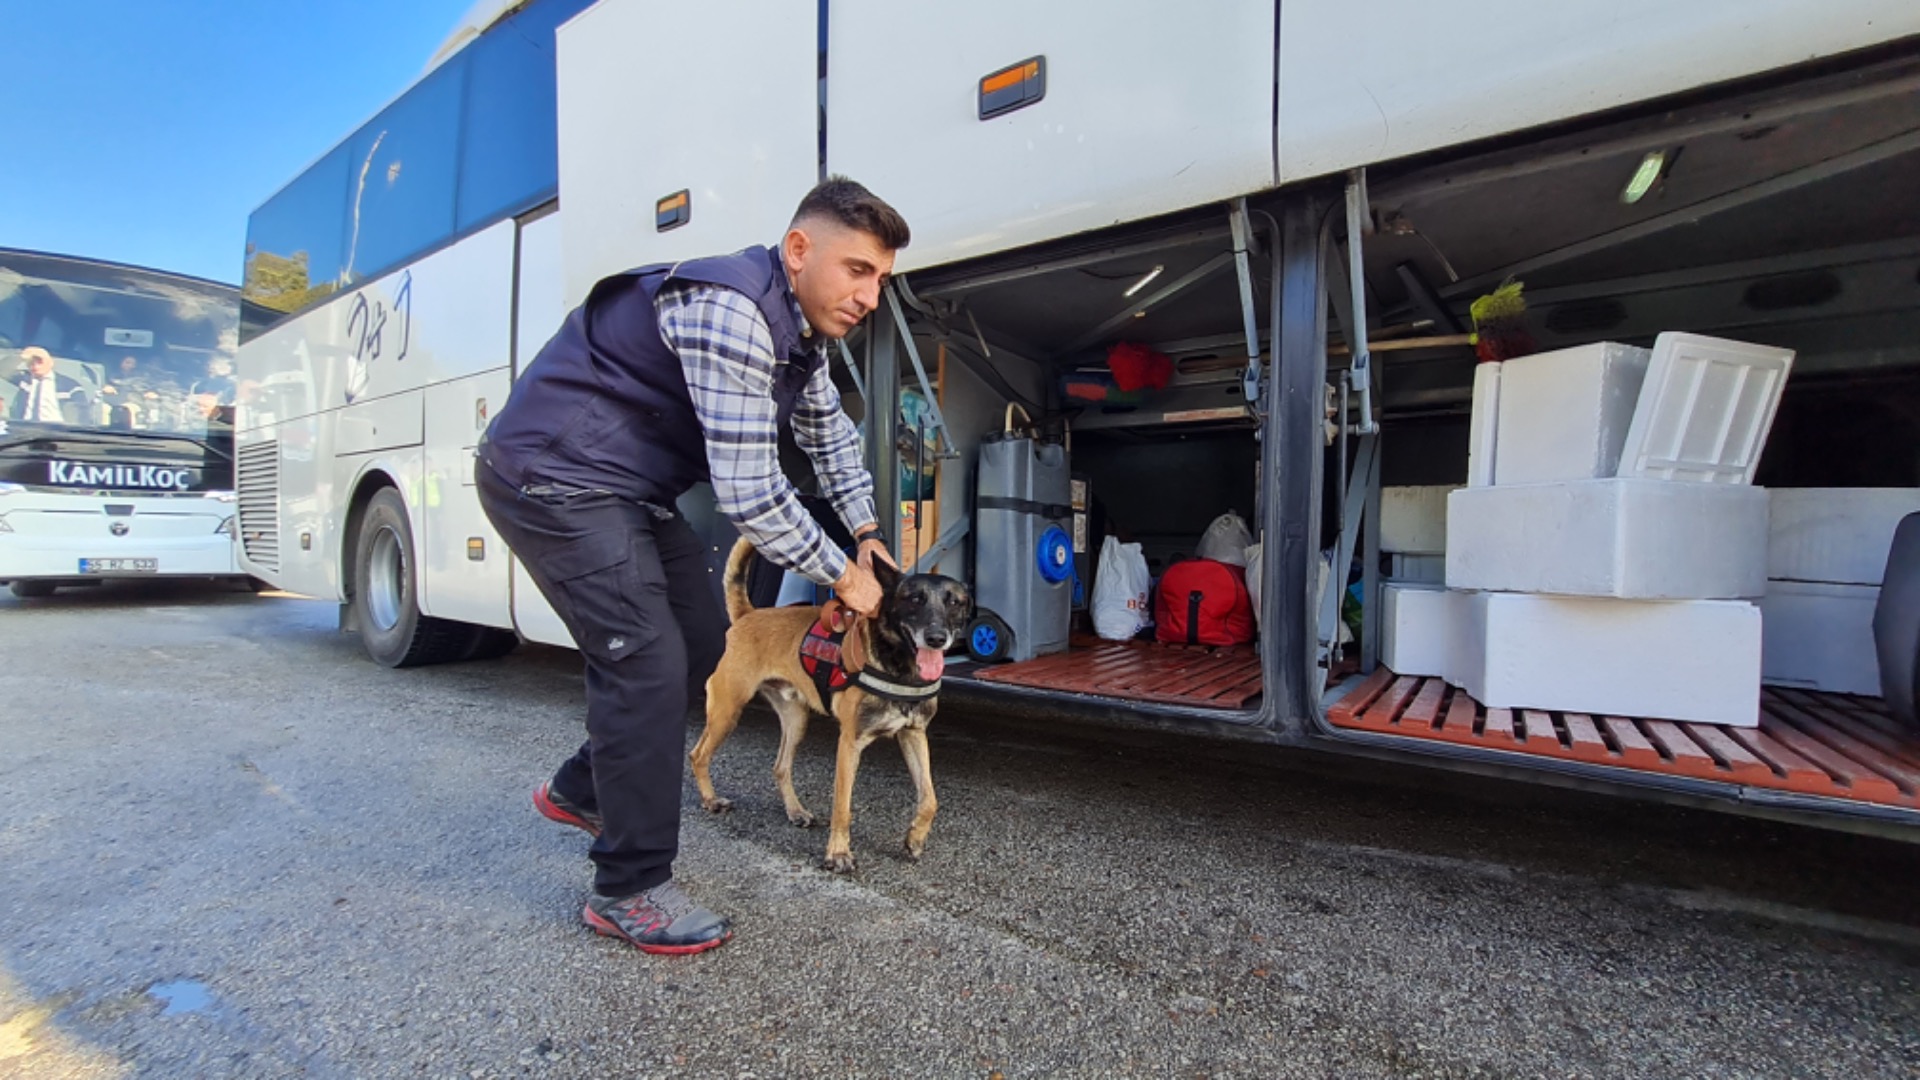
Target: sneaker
<point x="554" y="808"/>
<point x="661" y="920"/>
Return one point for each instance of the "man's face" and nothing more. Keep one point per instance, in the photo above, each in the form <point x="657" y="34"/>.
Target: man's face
<point x="127" y="364"/>
<point x="837" y="274"/>
<point x="39" y="364"/>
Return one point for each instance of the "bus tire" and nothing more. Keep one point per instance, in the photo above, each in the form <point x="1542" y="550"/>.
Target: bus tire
<point x="33" y="590"/>
<point x="491" y="644"/>
<point x="386" y="593"/>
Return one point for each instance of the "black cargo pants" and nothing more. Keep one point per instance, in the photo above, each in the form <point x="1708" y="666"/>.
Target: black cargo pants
<point x="631" y="584"/>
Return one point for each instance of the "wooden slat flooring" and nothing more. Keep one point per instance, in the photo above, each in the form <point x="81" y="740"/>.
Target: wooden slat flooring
<point x="1198" y="676"/>
<point x="1812" y="743"/>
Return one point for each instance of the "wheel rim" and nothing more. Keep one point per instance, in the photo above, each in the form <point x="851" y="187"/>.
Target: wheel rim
<point x="386" y="578"/>
<point x="985" y="640"/>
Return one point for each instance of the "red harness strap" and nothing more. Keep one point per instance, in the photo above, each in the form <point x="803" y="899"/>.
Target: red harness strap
<point x="820" y="655"/>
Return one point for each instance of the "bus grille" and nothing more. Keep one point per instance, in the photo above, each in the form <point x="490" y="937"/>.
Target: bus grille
<point x="258" y="471"/>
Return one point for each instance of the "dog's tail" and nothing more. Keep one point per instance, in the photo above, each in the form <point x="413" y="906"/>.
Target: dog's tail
<point x="738" y="602"/>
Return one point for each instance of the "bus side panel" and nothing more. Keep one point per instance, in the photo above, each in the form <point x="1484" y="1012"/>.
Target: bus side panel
<point x="1363" y="81"/>
<point x="457" y="579"/>
<point x="542" y="306"/>
<point x="716" y="100"/>
<point x="1148" y="107"/>
<point x="341" y="389"/>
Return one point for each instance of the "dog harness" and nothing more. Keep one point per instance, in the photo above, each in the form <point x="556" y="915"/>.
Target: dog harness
<point x="824" y="655"/>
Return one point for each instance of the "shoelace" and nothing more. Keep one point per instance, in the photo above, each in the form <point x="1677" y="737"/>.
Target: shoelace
<point x="669" y="900"/>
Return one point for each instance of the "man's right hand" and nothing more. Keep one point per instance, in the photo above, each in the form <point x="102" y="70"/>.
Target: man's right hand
<point x="857" y="589"/>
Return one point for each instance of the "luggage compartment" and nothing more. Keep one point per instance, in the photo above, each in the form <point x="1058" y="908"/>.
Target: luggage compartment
<point x="1787" y="217"/>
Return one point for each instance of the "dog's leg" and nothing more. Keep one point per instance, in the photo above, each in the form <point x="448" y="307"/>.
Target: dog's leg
<point x="913" y="747"/>
<point x="726" y="696"/>
<point x="793" y="711"/>
<point x="846" y="763"/>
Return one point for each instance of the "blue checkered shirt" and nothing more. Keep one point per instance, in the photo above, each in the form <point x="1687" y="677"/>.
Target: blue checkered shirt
<point x="726" y="351"/>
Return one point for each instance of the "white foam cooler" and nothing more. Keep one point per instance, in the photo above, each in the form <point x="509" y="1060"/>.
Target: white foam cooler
<point x="1836" y="535"/>
<point x="1419" y="626"/>
<point x="1820" y="637"/>
<point x="1413" y="520"/>
<point x="1694" y="660"/>
<point x="1564" y="415"/>
<point x="1626" y="539"/>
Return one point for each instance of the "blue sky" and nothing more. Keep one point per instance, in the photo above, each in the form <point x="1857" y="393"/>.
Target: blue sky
<point x="145" y="131"/>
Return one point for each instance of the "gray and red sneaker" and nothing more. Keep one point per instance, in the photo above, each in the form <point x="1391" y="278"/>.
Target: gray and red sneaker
<point x="661" y="920"/>
<point x="555" y="808"/>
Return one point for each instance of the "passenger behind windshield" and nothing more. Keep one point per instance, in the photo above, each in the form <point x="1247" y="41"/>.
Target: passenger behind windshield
<point x="43" y="394"/>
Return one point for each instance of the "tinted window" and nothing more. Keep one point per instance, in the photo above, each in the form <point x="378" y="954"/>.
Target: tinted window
<point x="294" y="241"/>
<point x="478" y="136"/>
<point x="401" y="170"/>
<point x="510" y="160"/>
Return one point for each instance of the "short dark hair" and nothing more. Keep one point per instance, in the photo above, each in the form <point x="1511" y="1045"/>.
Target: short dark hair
<point x="851" y="204"/>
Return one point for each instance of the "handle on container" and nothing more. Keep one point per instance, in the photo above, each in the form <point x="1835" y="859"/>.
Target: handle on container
<point x="1011" y="406"/>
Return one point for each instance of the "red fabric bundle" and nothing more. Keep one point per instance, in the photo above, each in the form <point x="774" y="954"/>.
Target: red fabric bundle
<point x="1136" y="367"/>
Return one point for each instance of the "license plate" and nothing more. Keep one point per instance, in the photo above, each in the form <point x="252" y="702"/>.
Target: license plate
<point x="119" y="566"/>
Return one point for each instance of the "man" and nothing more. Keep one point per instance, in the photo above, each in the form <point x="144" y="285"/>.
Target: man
<point x="40" y="390"/>
<point x="666" y="376"/>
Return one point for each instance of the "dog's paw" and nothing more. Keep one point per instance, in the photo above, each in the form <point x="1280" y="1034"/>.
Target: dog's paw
<point x="800" y="818"/>
<point x="913" y="850"/>
<point x="717" y="805"/>
<point x="839" y="864"/>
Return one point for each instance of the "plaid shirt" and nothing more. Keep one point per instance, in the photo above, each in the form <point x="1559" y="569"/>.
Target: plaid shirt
<point x="726" y="351"/>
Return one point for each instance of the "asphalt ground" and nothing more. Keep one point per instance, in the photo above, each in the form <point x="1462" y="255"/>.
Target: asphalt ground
<point x="231" y="846"/>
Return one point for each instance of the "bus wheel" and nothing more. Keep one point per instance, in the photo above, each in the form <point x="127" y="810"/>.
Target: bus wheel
<point x="491" y="644"/>
<point x="386" y="593"/>
<point x="28" y="590"/>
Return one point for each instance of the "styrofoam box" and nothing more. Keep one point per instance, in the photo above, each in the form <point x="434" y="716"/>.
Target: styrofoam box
<point x="1705" y="409"/>
<point x="1413" y="520"/>
<point x="1483" y="425"/>
<point x="1564" y="415"/>
<point x="1627" y="539"/>
<point x="1419" y="625"/>
<point x="1820" y="637"/>
<point x="1691" y="660"/>
<point x="1838" y="535"/>
<point x="1417" y="569"/>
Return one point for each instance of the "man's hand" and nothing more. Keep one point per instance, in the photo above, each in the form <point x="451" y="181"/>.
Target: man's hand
<point x="857" y="589"/>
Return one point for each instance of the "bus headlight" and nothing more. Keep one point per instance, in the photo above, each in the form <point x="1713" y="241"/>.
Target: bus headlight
<point x="225" y="526"/>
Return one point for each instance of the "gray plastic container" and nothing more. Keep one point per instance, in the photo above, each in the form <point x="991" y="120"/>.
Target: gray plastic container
<point x="1023" y="547"/>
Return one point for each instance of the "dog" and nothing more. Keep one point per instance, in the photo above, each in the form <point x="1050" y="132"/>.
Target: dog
<point x="887" y="685"/>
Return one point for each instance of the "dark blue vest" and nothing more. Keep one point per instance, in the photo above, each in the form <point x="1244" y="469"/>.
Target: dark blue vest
<point x="605" y="403"/>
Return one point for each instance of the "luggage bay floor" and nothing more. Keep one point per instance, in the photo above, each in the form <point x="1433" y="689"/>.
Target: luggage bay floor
<point x="1195" y="676"/>
<point x="1812" y="743"/>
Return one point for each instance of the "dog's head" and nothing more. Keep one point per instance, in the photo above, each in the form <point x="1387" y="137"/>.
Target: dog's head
<point x="929" y="611"/>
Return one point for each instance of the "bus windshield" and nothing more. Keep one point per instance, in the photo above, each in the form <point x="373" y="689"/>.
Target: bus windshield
<point x="90" y="348"/>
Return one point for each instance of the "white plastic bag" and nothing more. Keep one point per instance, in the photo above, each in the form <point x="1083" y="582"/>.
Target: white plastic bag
<point x="1120" y="591"/>
<point x="1226" y="540"/>
<point x="1253" y="582"/>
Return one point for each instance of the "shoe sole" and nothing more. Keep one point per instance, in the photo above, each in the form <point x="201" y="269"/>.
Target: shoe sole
<point x="606" y="928"/>
<point x="551" y="811"/>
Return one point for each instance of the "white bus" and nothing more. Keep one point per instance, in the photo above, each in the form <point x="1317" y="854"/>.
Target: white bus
<point x="116" y="423"/>
<point x="1241" y="187"/>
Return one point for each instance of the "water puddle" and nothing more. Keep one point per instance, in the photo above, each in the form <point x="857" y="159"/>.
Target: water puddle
<point x="182" y="996"/>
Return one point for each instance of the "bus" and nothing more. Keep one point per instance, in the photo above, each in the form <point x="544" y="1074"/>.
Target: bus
<point x="117" y="393"/>
<point x="1295" y="210"/>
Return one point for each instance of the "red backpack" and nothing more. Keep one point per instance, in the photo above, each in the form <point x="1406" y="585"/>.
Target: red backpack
<point x="1203" y="602"/>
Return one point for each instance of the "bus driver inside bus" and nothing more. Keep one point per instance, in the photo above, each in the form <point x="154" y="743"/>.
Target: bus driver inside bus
<point x="663" y="377"/>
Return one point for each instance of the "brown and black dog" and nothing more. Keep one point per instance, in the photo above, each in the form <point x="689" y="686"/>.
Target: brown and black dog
<point x="892" y="667"/>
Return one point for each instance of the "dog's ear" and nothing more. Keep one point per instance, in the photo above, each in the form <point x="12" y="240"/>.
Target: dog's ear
<point x="886" y="575"/>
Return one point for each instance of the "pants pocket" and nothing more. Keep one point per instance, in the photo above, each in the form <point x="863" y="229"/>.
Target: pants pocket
<point x="614" y="589"/>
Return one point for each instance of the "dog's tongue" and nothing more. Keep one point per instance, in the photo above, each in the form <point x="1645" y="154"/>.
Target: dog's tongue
<point x="932" y="663"/>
